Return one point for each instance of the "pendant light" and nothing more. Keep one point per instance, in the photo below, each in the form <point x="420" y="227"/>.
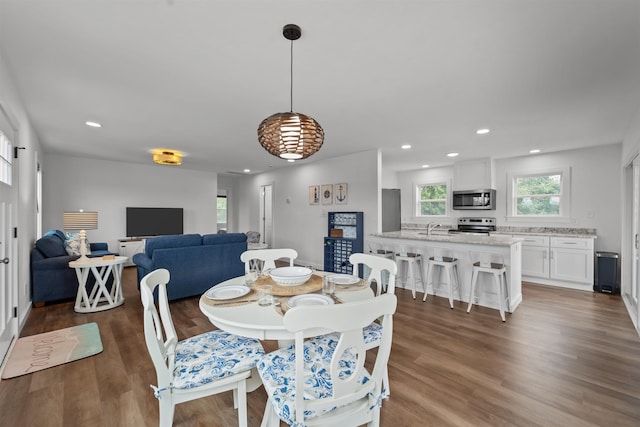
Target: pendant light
<point x="290" y="136"/>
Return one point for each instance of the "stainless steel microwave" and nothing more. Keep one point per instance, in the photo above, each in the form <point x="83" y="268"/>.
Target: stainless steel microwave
<point x="474" y="199"/>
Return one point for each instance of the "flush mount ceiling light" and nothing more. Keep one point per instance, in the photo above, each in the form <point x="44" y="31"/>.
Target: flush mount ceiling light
<point x="452" y="154"/>
<point x="163" y="156"/>
<point x="406" y="146"/>
<point x="291" y="136"/>
<point x="483" y="131"/>
<point x="93" y="124"/>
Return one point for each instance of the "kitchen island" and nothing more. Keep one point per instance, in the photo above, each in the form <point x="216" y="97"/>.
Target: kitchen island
<point x="466" y="248"/>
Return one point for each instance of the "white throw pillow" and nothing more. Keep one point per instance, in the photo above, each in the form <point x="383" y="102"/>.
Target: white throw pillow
<point x="72" y="244"/>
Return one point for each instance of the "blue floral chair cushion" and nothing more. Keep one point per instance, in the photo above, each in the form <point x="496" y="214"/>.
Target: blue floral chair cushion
<point x="372" y="333"/>
<point x="277" y="370"/>
<point x="212" y="356"/>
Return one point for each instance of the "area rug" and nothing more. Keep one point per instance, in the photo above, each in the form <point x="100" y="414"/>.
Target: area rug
<point x="42" y="351"/>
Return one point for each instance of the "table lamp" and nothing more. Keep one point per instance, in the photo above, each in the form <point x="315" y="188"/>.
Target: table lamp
<point x="81" y="220"/>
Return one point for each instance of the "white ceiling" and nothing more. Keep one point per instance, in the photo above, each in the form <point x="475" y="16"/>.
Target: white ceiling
<point x="200" y="75"/>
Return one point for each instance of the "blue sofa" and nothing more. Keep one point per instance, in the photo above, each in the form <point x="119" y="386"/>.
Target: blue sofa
<point x="196" y="262"/>
<point x="51" y="277"/>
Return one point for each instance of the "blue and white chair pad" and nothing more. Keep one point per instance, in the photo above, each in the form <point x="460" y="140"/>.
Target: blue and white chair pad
<point x="372" y="334"/>
<point x="212" y="356"/>
<point x="278" y="373"/>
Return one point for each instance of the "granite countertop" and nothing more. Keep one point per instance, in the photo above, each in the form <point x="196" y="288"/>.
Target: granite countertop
<point x="473" y="239"/>
<point x="548" y="231"/>
<point x="525" y="231"/>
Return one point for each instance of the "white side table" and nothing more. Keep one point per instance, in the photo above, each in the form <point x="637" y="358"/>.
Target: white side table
<point x="100" y="298"/>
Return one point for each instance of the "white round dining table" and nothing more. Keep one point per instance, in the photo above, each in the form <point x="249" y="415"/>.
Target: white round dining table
<point x="264" y="323"/>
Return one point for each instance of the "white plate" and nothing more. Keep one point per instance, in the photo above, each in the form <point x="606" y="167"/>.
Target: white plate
<point x="227" y="292"/>
<point x="309" y="299"/>
<point x="344" y="279"/>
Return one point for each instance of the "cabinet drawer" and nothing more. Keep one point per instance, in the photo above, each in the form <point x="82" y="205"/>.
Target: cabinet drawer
<point x="534" y="240"/>
<point x="571" y="242"/>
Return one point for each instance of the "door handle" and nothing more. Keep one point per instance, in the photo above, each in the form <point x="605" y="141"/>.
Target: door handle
<point x="636" y="241"/>
<point x="4" y="260"/>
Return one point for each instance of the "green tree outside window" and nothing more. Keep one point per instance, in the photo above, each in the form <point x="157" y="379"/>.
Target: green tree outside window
<point x="538" y="195"/>
<point x="432" y="200"/>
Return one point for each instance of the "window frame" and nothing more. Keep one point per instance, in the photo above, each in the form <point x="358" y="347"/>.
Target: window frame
<point x="564" y="214"/>
<point x="417" y="200"/>
<point x="226" y="223"/>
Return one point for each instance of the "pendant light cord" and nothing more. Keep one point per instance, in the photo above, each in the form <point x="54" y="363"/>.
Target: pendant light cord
<point x="291" y="79"/>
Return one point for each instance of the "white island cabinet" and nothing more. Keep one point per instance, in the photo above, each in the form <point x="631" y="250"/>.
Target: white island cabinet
<point x="558" y="261"/>
<point x="464" y="247"/>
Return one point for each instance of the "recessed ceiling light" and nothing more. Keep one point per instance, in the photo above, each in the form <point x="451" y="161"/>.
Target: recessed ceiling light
<point x="406" y="146"/>
<point x="247" y="170"/>
<point x="534" y="151"/>
<point x="93" y="124"/>
<point x="425" y="166"/>
<point x="483" y="131"/>
<point x="452" y="154"/>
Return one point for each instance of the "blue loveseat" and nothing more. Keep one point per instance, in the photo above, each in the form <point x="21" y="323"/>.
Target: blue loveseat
<point x="196" y="262"/>
<point x="51" y="277"/>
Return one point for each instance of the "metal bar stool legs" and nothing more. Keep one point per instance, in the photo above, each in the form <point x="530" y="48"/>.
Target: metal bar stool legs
<point x="499" y="273"/>
<point x="450" y="267"/>
<point x="411" y="263"/>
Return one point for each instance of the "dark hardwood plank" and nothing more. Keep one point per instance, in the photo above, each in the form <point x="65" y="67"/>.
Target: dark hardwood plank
<point x="564" y="358"/>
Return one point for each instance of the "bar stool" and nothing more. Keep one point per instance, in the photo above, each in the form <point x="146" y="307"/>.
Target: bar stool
<point x="490" y="264"/>
<point x="377" y="249"/>
<point x="409" y="261"/>
<point x="447" y="263"/>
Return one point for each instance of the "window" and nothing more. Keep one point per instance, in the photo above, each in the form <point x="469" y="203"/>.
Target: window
<point x="431" y="199"/>
<point x="540" y="194"/>
<point x="5" y="159"/>
<point x="222" y="212"/>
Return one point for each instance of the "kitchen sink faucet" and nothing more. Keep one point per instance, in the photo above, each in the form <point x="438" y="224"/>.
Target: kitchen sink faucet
<point x="432" y="226"/>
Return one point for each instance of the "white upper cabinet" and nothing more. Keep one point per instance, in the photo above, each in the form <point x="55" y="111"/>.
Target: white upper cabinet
<point x="473" y="174"/>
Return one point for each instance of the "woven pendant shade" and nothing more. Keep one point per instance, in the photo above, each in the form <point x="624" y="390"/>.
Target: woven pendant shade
<point x="290" y="135"/>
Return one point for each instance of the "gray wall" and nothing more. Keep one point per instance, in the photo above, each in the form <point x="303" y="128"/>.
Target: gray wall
<point x="302" y="226"/>
<point x="109" y="187"/>
<point x="595" y="188"/>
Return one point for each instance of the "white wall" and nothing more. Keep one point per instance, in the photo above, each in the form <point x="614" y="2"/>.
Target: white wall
<point x="595" y="192"/>
<point x="109" y="187"/>
<point x="25" y="210"/>
<point x="302" y="226"/>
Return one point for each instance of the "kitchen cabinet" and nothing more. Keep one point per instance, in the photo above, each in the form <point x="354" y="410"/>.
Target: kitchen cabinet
<point x="535" y="256"/>
<point x="129" y="248"/>
<point x="473" y="174"/>
<point x="558" y="261"/>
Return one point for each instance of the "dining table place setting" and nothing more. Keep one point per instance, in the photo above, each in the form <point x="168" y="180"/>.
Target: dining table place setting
<point x="229" y="295"/>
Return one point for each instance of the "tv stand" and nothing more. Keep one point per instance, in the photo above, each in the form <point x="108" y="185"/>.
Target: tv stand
<point x="130" y="247"/>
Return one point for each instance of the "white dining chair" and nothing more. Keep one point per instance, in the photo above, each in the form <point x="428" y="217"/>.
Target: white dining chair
<point x="323" y="380"/>
<point x="377" y="266"/>
<point x="266" y="257"/>
<point x="196" y="367"/>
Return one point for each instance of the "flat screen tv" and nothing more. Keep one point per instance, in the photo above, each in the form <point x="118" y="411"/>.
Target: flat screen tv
<point x="147" y="222"/>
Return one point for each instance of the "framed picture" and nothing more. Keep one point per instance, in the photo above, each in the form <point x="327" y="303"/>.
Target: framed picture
<point x="341" y="192"/>
<point x="314" y="194"/>
<point x="327" y="194"/>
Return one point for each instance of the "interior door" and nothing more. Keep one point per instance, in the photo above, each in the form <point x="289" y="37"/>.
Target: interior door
<point x="8" y="270"/>
<point x="266" y="214"/>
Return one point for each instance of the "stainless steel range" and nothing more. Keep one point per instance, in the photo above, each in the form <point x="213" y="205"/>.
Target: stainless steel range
<point x="476" y="225"/>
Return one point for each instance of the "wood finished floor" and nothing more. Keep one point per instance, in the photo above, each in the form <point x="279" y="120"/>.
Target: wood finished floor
<point x="564" y="358"/>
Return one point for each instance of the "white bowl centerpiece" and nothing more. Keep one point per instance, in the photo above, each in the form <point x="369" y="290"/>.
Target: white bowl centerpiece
<point x="290" y="276"/>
